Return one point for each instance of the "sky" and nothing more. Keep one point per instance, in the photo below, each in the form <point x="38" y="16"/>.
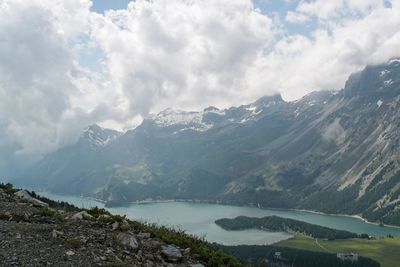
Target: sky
<point x="65" y="65"/>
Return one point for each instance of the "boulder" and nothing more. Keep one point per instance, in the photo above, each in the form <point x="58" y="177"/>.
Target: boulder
<point x="80" y="216"/>
<point x="56" y="233"/>
<point x="115" y="226"/>
<point x="144" y="235"/>
<point x="70" y="253"/>
<point x="124" y="226"/>
<point x="171" y="253"/>
<point x="104" y="217"/>
<point x="127" y="240"/>
<point x="2" y="193"/>
<point x="22" y="194"/>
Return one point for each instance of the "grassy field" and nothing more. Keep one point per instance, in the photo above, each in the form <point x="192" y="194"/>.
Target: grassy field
<point x="385" y="250"/>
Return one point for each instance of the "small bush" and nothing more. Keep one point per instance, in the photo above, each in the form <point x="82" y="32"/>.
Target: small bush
<point x="47" y="212"/>
<point x="76" y="242"/>
<point x="208" y="254"/>
<point x="8" y="188"/>
<point x="96" y="212"/>
<point x="56" y="204"/>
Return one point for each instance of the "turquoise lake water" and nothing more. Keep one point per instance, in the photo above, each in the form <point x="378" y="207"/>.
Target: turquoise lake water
<point x="198" y="219"/>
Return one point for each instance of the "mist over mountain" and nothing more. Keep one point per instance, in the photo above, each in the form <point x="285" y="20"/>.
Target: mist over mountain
<point x="329" y="151"/>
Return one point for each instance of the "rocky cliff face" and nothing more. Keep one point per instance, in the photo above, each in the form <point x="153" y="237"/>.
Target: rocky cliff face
<point x="329" y="151"/>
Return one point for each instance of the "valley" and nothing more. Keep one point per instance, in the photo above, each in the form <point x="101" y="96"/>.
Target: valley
<point x="199" y="219"/>
<point x="200" y="133"/>
<point x="333" y="152"/>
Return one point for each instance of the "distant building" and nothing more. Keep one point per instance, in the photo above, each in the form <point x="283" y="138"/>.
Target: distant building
<point x="278" y="255"/>
<point x="347" y="256"/>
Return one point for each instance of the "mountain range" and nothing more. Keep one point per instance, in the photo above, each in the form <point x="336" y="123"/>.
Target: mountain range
<point x="335" y="152"/>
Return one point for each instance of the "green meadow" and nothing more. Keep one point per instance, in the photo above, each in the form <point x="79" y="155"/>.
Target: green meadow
<point x="384" y="250"/>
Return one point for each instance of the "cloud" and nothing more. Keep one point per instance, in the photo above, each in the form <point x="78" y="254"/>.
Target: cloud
<point x="40" y="78"/>
<point x="155" y="54"/>
<point x="341" y="45"/>
<point x="321" y="9"/>
<point x="186" y="54"/>
<point x="296" y="17"/>
<point x="326" y="10"/>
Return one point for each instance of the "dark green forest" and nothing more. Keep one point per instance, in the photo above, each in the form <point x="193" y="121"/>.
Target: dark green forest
<point x="278" y="224"/>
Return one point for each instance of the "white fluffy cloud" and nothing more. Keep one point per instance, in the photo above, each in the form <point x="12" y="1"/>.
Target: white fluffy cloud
<point x="342" y="43"/>
<point x="180" y="53"/>
<point x="40" y="77"/>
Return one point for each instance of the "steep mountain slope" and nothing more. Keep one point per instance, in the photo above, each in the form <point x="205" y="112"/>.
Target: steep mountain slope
<point x="333" y="152"/>
<point x="77" y="168"/>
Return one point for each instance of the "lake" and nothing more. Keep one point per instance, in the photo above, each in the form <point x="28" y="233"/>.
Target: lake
<point x="198" y="219"/>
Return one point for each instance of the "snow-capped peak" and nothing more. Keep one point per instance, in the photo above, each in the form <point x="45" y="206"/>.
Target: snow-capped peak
<point x="212" y="116"/>
<point x="170" y="117"/>
<point x="214" y="110"/>
<point x="186" y="119"/>
<point x="394" y="60"/>
<point x="98" y="136"/>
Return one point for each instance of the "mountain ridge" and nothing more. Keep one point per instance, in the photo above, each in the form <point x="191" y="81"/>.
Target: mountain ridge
<point x="335" y="152"/>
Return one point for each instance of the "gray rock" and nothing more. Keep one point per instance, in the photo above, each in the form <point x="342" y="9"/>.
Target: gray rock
<point x="56" y="233"/>
<point x="104" y="217"/>
<point x="171" y="253"/>
<point x="70" y="253"/>
<point x="27" y="215"/>
<point x="149" y="264"/>
<point x="115" y="226"/>
<point x="144" y="235"/>
<point x="22" y="194"/>
<point x="125" y="226"/>
<point x="127" y="240"/>
<point x="197" y="265"/>
<point x="80" y="216"/>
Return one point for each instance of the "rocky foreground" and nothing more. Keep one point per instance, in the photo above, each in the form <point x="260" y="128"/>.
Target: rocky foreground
<point x="34" y="233"/>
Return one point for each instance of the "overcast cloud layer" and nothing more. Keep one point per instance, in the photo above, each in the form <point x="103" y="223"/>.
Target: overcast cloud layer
<point x="63" y="67"/>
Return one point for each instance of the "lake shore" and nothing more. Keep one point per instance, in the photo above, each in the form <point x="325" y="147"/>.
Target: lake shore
<point x="251" y="205"/>
<point x="355" y="216"/>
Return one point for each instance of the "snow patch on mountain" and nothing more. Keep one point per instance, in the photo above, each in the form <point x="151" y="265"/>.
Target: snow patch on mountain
<point x="190" y="120"/>
<point x="170" y="117"/>
<point x="98" y="136"/>
<point x="388" y="82"/>
<point x="214" y="110"/>
<point x="395" y="60"/>
<point x="252" y="112"/>
<point x="212" y="116"/>
<point x="383" y="73"/>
